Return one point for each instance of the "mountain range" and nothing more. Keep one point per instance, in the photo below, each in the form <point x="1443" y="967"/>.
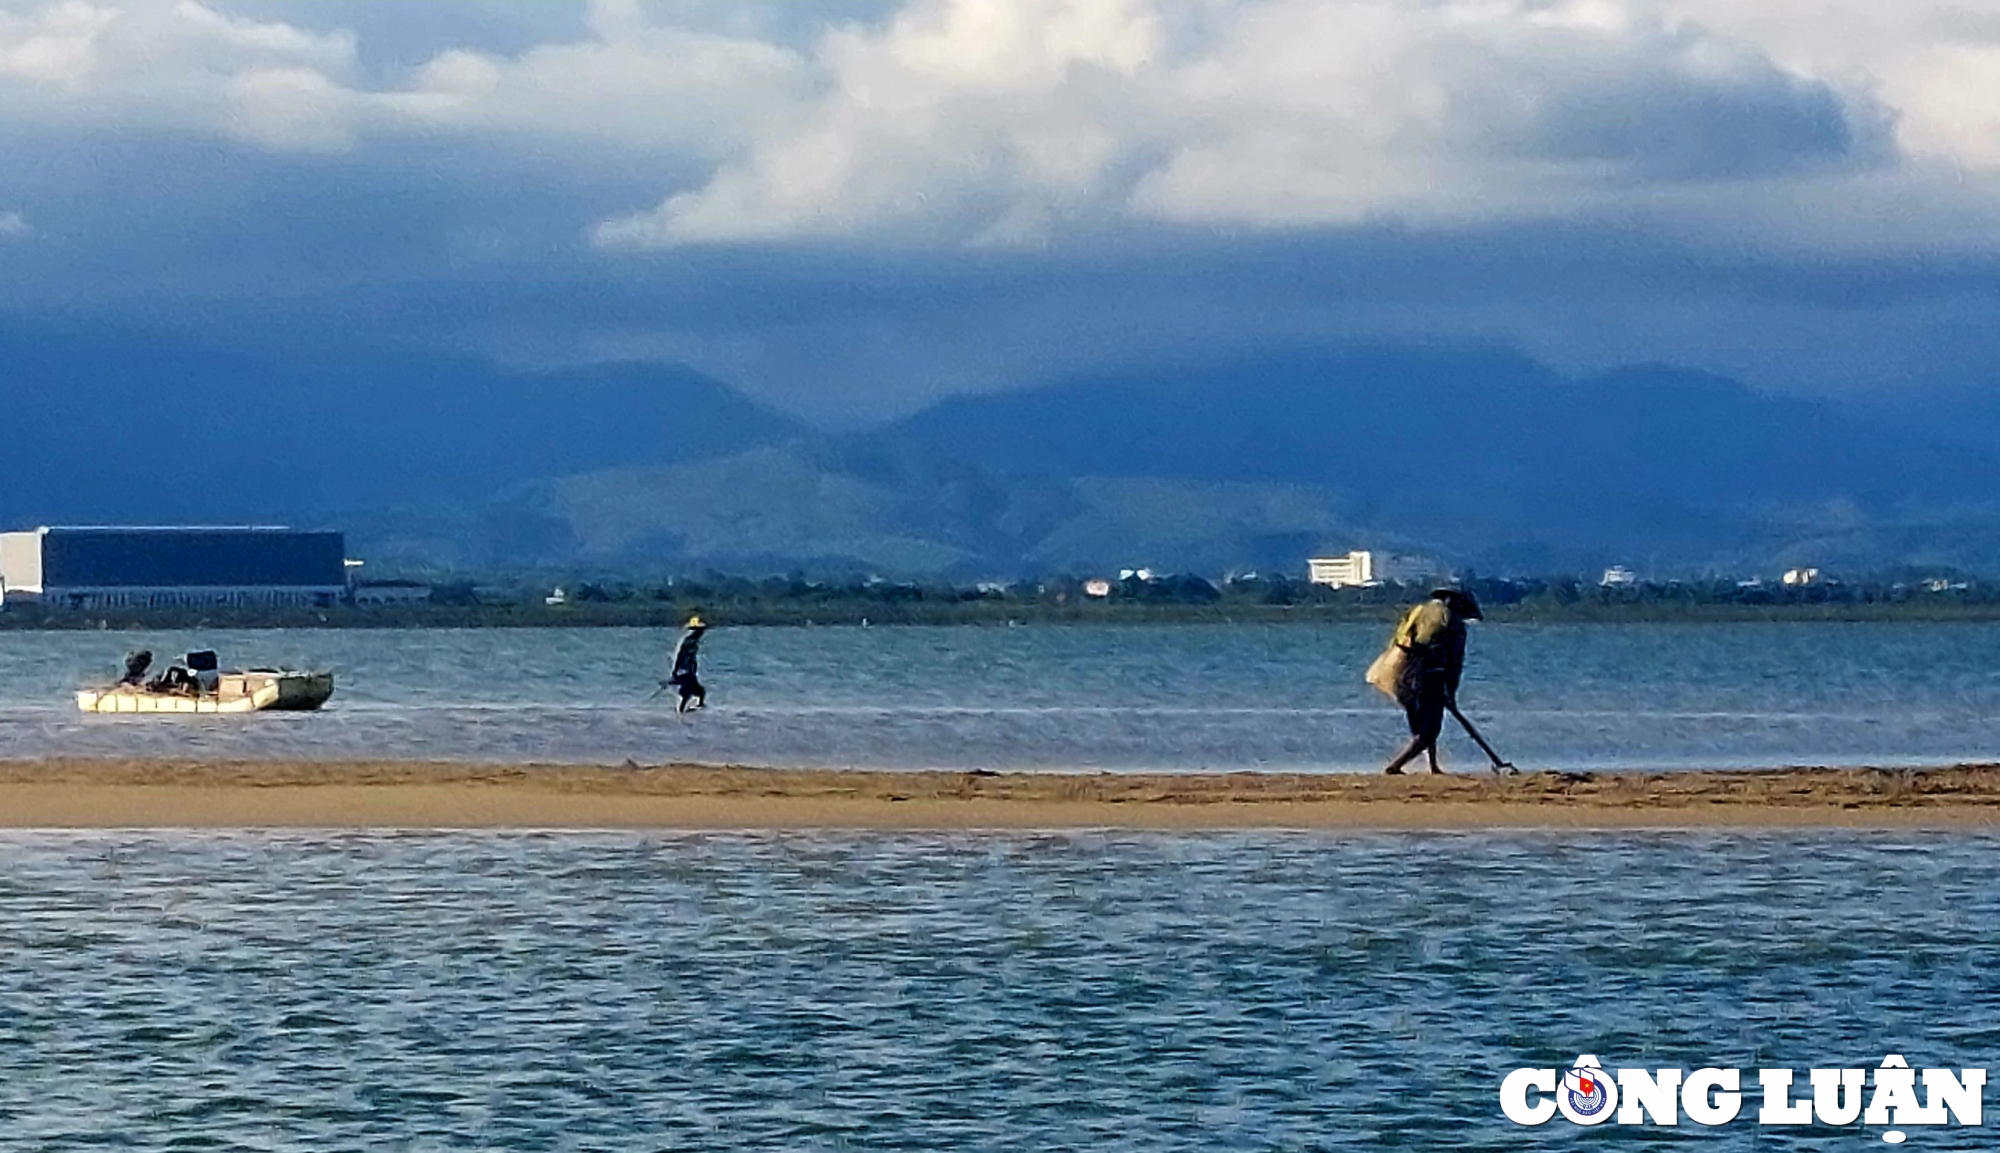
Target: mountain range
<point x="1475" y="455"/>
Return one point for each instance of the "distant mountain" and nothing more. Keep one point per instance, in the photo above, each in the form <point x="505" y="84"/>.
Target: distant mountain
<point x="1484" y="454"/>
<point x="1473" y="455"/>
<point x="1952" y="412"/>
<point x="1419" y="426"/>
<point x="116" y="427"/>
<point x="796" y="507"/>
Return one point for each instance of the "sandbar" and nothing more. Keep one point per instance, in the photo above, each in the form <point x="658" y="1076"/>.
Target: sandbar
<point x="136" y="793"/>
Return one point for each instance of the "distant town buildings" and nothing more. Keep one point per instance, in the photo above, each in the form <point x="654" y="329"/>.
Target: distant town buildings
<point x="67" y="567"/>
<point x="390" y="593"/>
<point x="1618" y="577"/>
<point x="1801" y="577"/>
<point x="1361" y="568"/>
<point x="1097" y="587"/>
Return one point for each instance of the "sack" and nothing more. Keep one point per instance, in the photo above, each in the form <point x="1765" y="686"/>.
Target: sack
<point x="1388" y="669"/>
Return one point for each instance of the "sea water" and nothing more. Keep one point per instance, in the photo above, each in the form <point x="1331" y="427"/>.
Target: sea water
<point x="1117" y="697"/>
<point x="994" y="991"/>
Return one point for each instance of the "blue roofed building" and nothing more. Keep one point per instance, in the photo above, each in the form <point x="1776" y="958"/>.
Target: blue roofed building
<point x="79" y="567"/>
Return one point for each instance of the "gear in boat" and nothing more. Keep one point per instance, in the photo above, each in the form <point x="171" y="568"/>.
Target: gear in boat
<point x="198" y="684"/>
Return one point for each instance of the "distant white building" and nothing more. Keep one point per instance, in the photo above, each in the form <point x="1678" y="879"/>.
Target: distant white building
<point x="1097" y="587"/>
<point x="1801" y="577"/>
<point x="1618" y="577"/>
<point x="1355" y="569"/>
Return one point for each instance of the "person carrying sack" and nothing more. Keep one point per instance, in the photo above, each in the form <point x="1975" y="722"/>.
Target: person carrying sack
<point x="1421" y="669"/>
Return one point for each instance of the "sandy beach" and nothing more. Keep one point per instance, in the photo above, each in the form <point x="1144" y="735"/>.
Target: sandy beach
<point x="402" y="794"/>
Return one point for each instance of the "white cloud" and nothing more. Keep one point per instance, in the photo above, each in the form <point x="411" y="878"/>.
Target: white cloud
<point x="1028" y="121"/>
<point x="634" y="87"/>
<point x="983" y="120"/>
<point x="967" y="119"/>
<point x="13" y="224"/>
<point x="175" y="64"/>
<point x="289" y="108"/>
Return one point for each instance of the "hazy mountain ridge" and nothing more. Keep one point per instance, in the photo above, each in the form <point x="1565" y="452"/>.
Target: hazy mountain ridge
<point x="1471" y="454"/>
<point x="133" y="429"/>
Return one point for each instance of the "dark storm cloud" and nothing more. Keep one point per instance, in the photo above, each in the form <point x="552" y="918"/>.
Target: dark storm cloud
<point x="1092" y="183"/>
<point x="296" y="250"/>
<point x="1761" y="124"/>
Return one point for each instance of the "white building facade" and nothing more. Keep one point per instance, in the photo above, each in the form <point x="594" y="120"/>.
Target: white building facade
<point x="1356" y="569"/>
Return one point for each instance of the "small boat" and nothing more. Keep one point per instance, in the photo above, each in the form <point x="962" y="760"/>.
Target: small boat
<point x="253" y="691"/>
<point x="198" y="686"/>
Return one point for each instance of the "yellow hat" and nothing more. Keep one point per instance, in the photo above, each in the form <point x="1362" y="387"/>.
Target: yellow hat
<point x="695" y="622"/>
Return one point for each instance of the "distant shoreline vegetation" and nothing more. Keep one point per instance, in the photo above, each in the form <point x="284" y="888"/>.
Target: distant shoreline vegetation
<point x="518" y="603"/>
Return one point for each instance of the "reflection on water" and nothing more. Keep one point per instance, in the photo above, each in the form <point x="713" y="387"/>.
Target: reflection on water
<point x="911" y="991"/>
<point x="1120" y="697"/>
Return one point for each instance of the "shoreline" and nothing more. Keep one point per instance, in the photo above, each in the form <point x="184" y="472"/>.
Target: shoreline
<point x="985" y="614"/>
<point x="403" y="794"/>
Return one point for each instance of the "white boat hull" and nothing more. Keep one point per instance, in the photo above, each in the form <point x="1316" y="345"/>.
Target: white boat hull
<point x="235" y="693"/>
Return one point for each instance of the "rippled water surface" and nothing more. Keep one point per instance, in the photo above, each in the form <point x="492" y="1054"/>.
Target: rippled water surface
<point x="1119" y="697"/>
<point x="1088" y="991"/>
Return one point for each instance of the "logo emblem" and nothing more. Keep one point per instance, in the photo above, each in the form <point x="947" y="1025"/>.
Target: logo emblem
<point x="1588" y="1094"/>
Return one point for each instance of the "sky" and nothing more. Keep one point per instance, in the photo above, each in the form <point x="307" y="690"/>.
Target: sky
<point x="851" y="208"/>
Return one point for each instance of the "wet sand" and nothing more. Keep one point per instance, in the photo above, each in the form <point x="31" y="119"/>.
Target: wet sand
<point x="402" y="794"/>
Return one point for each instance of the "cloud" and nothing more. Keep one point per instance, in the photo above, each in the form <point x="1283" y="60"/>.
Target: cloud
<point x="1027" y="122"/>
<point x="1481" y="110"/>
<point x="13" y="224"/>
<point x="1011" y="120"/>
<point x="896" y="198"/>
<point x="175" y="64"/>
<point x="182" y="65"/>
<point x="963" y="120"/>
<point x="634" y="87"/>
<point x="1935" y="63"/>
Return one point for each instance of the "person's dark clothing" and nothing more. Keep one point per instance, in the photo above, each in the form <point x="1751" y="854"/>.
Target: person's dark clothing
<point x="693" y="694"/>
<point x="1424" y="707"/>
<point x="1432" y="637"/>
<point x="686" y="653"/>
<point x="177" y="679"/>
<point x="136" y="666"/>
<point x="687" y="684"/>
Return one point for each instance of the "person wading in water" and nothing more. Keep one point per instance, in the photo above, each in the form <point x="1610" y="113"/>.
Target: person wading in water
<point x="683" y="679"/>
<point x="1421" y="669"/>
